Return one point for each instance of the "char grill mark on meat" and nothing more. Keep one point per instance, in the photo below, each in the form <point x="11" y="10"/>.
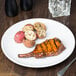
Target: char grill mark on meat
<point x="38" y="52"/>
<point x="49" y="48"/>
<point x="44" y="47"/>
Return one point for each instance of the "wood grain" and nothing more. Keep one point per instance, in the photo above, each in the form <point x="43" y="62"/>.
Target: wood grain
<point x="40" y="10"/>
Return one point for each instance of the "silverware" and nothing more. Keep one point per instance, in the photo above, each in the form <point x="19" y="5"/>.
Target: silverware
<point x="62" y="71"/>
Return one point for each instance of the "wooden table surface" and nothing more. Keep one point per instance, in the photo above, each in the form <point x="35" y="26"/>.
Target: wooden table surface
<point x="40" y="10"/>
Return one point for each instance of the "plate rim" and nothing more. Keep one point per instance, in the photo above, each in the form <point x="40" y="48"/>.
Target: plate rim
<point x="12" y="60"/>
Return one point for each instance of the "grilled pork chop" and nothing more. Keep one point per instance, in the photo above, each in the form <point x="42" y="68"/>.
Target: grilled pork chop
<point x="51" y="47"/>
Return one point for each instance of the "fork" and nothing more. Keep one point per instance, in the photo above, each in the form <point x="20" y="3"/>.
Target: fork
<point x="62" y="71"/>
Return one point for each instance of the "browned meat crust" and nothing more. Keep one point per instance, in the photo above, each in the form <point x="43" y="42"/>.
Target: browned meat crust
<point x="51" y="47"/>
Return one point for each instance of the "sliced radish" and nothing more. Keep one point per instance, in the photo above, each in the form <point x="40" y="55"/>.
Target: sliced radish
<point x="28" y="27"/>
<point x="19" y="36"/>
<point x="30" y="35"/>
<point x="41" y="34"/>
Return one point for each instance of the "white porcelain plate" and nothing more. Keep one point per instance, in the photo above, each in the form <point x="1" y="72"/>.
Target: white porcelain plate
<point x="11" y="49"/>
